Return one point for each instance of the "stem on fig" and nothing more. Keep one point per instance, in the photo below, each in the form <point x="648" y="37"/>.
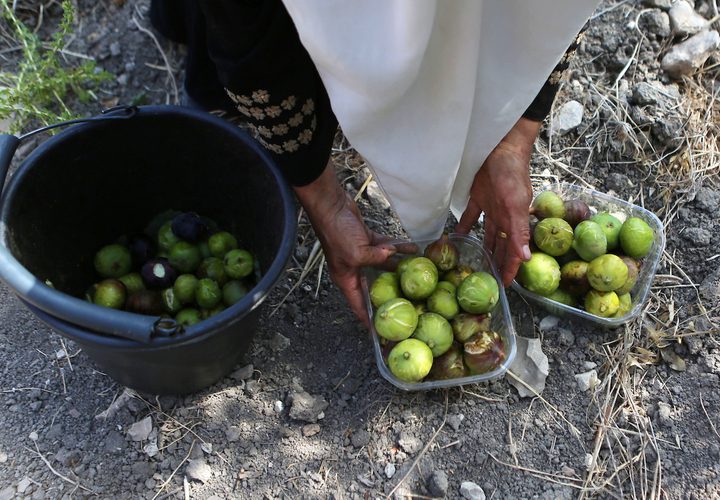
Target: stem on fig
<point x="406" y="355"/>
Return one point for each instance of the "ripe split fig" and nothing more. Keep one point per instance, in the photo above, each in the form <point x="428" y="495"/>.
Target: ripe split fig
<point x="484" y="352"/>
<point x="442" y="253"/>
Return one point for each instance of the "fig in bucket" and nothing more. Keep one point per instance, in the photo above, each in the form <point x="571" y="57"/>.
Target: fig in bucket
<point x="233" y="291"/>
<point x="133" y="283"/>
<point x="419" y="278"/>
<point x="442" y="253"/>
<point x="607" y="273"/>
<point x="214" y="269"/>
<point x="450" y="365"/>
<point x="610" y="225"/>
<point x="636" y="237"/>
<point x="110" y="293"/>
<point x="410" y="360"/>
<point x="478" y="293"/>
<point x="113" y="261"/>
<point x="548" y="204"/>
<point x="158" y="274"/>
<point x="483" y="352"/>
<point x="385" y="287"/>
<point x="184" y="287"/>
<point x="189" y="226"/>
<point x="185" y="257"/>
<point x="208" y="293"/>
<point x="145" y="302"/>
<point x="221" y="243"/>
<point x="188" y="316"/>
<point x="166" y="238"/>
<point x="553" y="236"/>
<point x="589" y="241"/>
<point x="238" y="264"/>
<point x="435" y="331"/>
<point x="396" y="319"/>
<point x="540" y="274"/>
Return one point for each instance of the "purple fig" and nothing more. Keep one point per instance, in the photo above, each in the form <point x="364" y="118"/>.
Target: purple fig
<point x="189" y="226"/>
<point x="142" y="249"/>
<point x="466" y="325"/>
<point x="443" y="253"/>
<point x="574" y="279"/>
<point x="576" y="211"/>
<point x="450" y="365"/>
<point x="145" y="302"/>
<point x="484" y="352"/>
<point x="158" y="274"/>
<point x="633" y="266"/>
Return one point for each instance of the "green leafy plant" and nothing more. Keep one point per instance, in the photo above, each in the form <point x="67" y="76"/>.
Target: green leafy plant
<point x="36" y="92"/>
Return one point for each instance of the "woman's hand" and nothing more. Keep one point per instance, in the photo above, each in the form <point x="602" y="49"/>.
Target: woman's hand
<point x="346" y="240"/>
<point x="501" y="189"/>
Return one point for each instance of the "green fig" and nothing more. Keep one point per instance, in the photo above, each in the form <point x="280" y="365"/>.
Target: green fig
<point x="610" y="225"/>
<point x="589" y="241"/>
<point x="446" y="285"/>
<point x="603" y="304"/>
<point x="233" y="291"/>
<point x="553" y="236"/>
<point x="607" y="273"/>
<point x="166" y="239"/>
<point x="636" y="237"/>
<point x="214" y="269"/>
<point x="110" y="293"/>
<point x="188" y="316"/>
<point x="170" y="302"/>
<point x="540" y="274"/>
<point x="185" y="257"/>
<point x="548" y="204"/>
<point x="625" y="306"/>
<point x="410" y="360"/>
<point x="185" y="286"/>
<point x="113" y="261"/>
<point x="563" y="296"/>
<point x="419" y="278"/>
<point x="238" y="264"/>
<point x="435" y="331"/>
<point x="133" y="283"/>
<point x="443" y="303"/>
<point x="208" y="293"/>
<point x="478" y="293"/>
<point x="221" y="243"/>
<point x="396" y="319"/>
<point x="385" y="287"/>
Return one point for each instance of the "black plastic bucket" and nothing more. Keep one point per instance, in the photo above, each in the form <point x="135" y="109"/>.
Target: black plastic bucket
<point x="95" y="181"/>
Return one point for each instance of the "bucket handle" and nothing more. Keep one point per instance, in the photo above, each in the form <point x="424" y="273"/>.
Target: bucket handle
<point x="9" y="143"/>
<point x="134" y="327"/>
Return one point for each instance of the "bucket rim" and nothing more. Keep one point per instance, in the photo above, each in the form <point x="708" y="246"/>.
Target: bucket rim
<point x="130" y="329"/>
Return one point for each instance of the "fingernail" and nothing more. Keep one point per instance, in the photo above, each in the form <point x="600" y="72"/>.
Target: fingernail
<point x="526" y="252"/>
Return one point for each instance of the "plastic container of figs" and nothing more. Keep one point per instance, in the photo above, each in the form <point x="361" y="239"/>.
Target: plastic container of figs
<point x="471" y="253"/>
<point x="600" y="202"/>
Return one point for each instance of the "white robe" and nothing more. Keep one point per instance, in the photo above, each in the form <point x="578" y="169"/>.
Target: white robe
<point x="425" y="89"/>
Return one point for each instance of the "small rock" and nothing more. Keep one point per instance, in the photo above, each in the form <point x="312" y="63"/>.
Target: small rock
<point x="198" y="470"/>
<point x="139" y="431"/>
<point x="3" y="457"/>
<point x="471" y="491"/>
<point x="115" y="49"/>
<point x="8" y="493"/>
<point x="310" y="430"/>
<point x="691" y="54"/>
<point x="305" y="407"/>
<point x="707" y="199"/>
<point x="568" y="117"/>
<point x="617" y="182"/>
<point x="410" y="443"/>
<point x="243" y="373"/>
<point x="252" y="387"/>
<point x="645" y="93"/>
<point x="657" y="22"/>
<point x="664" y="412"/>
<point x="33" y="436"/>
<point x="123" y="79"/>
<point x="587" y="380"/>
<point x="531" y="366"/>
<point x="114" y="442"/>
<point x="376" y="194"/>
<point x="454" y="421"/>
<point x="279" y="342"/>
<point x="278" y="406"/>
<point x="566" y="337"/>
<point x="74" y="413"/>
<point x="548" y="323"/>
<point x="150" y="484"/>
<point x="589" y="365"/>
<point x="360" y="438"/>
<point x="143" y="469"/>
<point x="697" y="235"/>
<point x="437" y="484"/>
<point x="684" y="20"/>
<point x="366" y="481"/>
<point x="23" y="484"/>
<point x="588" y="461"/>
<point x="667" y="130"/>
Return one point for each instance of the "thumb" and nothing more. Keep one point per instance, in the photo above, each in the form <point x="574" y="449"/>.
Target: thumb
<point x="376" y="255"/>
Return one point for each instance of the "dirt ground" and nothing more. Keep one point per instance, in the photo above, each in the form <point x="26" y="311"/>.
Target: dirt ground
<point x="649" y="429"/>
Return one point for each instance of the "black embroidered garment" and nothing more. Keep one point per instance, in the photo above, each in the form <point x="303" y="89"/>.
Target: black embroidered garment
<point x="245" y="58"/>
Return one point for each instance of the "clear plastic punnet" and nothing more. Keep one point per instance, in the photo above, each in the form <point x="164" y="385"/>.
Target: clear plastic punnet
<point x="472" y="254"/>
<point x="600" y="202"/>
